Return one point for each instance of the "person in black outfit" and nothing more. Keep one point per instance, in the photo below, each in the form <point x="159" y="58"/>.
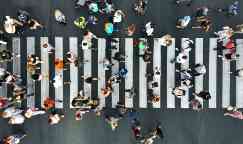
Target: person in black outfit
<point x="205" y="95"/>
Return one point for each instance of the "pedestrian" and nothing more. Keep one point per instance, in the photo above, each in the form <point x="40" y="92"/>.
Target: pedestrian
<point x="154" y="99"/>
<point x="202" y="12"/>
<point x="204" y="23"/>
<point x="37" y="76"/>
<point x="79" y="114"/>
<point x="235" y="114"/>
<point x="55" y="118"/>
<point x="16" y="119"/>
<point x="131" y="92"/>
<point x="105" y="92"/>
<point x="195" y="104"/>
<point x="118" y="16"/>
<point x="13" y="139"/>
<point x="205" y="95"/>
<point x="33" y="112"/>
<point x="112" y="121"/>
<point x="183" y="22"/>
<point x="131" y="29"/>
<point x="136" y="129"/>
<point x="59" y="64"/>
<point x="92" y="20"/>
<point x="147" y="56"/>
<point x="178" y="92"/>
<point x="80" y="101"/>
<point x="12" y="25"/>
<point x="107" y="64"/>
<point x="71" y="58"/>
<point x="93" y="7"/>
<point x="149" y="29"/>
<point x="232" y="9"/>
<point x="224" y="34"/>
<point x="119" y="57"/>
<point x="199" y="69"/>
<point x="165" y="40"/>
<point x="58" y="80"/>
<point x="238" y="73"/>
<point x="89" y="79"/>
<point x="187" y="45"/>
<point x="3" y="38"/>
<point x="181" y="58"/>
<point x="4" y="102"/>
<point x="34" y="24"/>
<point x="11" y="111"/>
<point x="109" y="8"/>
<point x="48" y="104"/>
<point x="140" y="7"/>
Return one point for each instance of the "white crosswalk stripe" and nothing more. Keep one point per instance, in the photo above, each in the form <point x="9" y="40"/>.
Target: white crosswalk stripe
<point x="73" y="48"/>
<point x="157" y="65"/>
<point x="141" y="87"/>
<point x="212" y="72"/>
<point x="226" y="83"/>
<point x="44" y="70"/>
<point x="199" y="60"/>
<point x="129" y="66"/>
<point x="115" y="70"/>
<point x="59" y="56"/>
<point x="30" y="82"/>
<point x="101" y="70"/>
<point x="87" y="58"/>
<point x="170" y="75"/>
<point x="185" y="99"/>
<point x="142" y="80"/>
<point x="3" y="88"/>
<point x="239" y="81"/>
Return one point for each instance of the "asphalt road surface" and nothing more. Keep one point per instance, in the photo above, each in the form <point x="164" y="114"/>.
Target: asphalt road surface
<point x="180" y="126"/>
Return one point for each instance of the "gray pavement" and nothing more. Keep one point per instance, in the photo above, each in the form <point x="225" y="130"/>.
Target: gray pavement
<point x="180" y="126"/>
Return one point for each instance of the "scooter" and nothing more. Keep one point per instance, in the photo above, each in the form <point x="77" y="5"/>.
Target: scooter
<point x="60" y="17"/>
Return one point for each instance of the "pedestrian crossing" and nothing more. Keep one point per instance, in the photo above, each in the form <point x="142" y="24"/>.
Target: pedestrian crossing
<point x="217" y="81"/>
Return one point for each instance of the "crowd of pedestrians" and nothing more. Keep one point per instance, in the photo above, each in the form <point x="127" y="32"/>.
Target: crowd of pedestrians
<point x="12" y="109"/>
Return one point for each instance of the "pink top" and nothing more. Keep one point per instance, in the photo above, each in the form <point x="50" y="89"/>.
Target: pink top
<point x="236" y="114"/>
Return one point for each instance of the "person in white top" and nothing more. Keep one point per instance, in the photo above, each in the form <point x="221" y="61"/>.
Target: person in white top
<point x="58" y="82"/>
<point x="224" y="34"/>
<point x="117" y="18"/>
<point x="11" y="111"/>
<point x="33" y="112"/>
<point x="54" y="119"/>
<point x="10" y="25"/>
<point x="71" y="58"/>
<point x="16" y="119"/>
<point x="181" y="58"/>
<point x="165" y="40"/>
<point x="149" y="29"/>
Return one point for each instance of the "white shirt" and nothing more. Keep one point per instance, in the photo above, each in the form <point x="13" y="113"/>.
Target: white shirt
<point x="179" y="58"/>
<point x="117" y="17"/>
<point x="17" y="119"/>
<point x="11" y="111"/>
<point x="55" y="119"/>
<point x="58" y="81"/>
<point x="9" y="25"/>
<point x="2" y="72"/>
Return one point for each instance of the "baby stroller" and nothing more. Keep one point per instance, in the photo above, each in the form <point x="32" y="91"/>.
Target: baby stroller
<point x="60" y="17"/>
